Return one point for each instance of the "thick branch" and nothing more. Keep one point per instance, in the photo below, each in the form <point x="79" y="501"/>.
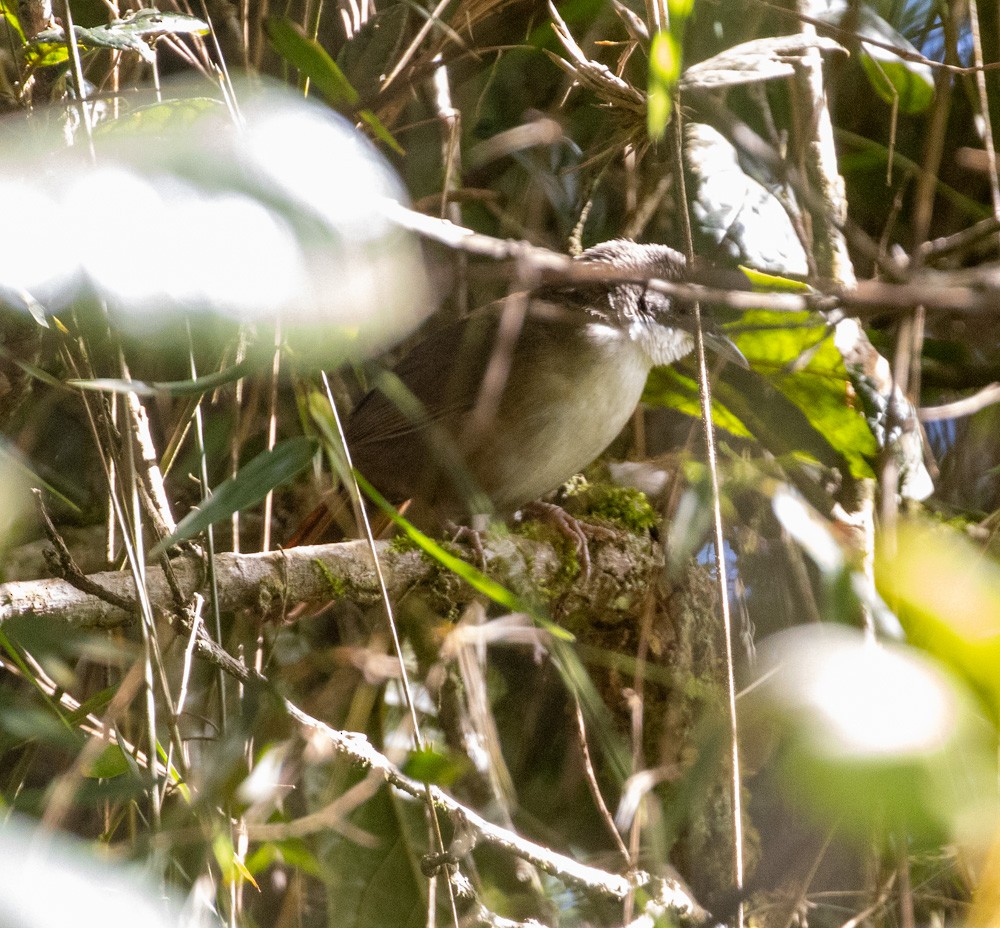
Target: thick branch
<point x="265" y="583"/>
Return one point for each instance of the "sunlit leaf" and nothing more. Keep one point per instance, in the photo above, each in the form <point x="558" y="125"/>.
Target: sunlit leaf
<point x="805" y="410"/>
<point x="772" y="283"/>
<point x="670" y="387"/>
<point x="230" y="863"/>
<point x="819" y="390"/>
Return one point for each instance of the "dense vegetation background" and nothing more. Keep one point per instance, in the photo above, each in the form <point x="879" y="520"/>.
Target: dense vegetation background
<point x="186" y="246"/>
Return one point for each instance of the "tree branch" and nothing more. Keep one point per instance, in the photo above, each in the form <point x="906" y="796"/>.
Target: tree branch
<point x="320" y="573"/>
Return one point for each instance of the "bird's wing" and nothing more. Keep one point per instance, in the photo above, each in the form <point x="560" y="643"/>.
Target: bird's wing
<point x="442" y="373"/>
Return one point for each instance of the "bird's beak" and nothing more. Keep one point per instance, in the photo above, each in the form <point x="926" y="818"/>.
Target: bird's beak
<point x="725" y="347"/>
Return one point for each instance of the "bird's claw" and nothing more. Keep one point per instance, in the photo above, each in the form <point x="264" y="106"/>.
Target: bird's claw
<point x="473" y="537"/>
<point x="580" y="533"/>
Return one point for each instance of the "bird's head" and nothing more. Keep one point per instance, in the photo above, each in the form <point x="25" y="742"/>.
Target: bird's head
<point x="662" y="325"/>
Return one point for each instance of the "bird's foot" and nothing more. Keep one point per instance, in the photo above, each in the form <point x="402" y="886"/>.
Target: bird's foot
<point x="580" y="533"/>
<point x="472" y="536"/>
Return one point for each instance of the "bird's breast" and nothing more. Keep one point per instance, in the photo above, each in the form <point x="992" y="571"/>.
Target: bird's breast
<point x="563" y="406"/>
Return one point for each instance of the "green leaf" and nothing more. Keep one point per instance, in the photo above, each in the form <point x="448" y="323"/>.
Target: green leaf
<point x="293" y="852"/>
<point x="45" y="54"/>
<point x="894" y="78"/>
<point x="312" y="60"/>
<point x="947" y="594"/>
<point x="910" y="82"/>
<point x="172" y="387"/>
<point x="8" y="457"/>
<point x="430" y="766"/>
<point x="674" y="389"/>
<point x="7" y="12"/>
<point x="380" y="131"/>
<point x="819" y="390"/>
<point x="112" y="763"/>
<point x="771" y="283"/>
<point x="378" y="884"/>
<point x="246" y="488"/>
<point x="804" y="411"/>
<point x="128" y="34"/>
<point x="858" y="154"/>
<point x="158" y="119"/>
<point x="664" y="72"/>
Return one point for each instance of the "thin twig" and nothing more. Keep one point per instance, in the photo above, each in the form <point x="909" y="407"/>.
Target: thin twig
<point x="397" y="646"/>
<point x="967" y="406"/>
<point x="594" y="787"/>
<point x="705" y="395"/>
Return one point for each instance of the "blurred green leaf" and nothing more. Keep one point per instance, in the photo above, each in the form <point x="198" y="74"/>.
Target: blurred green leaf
<point x="946" y="592"/>
<point x="233" y="868"/>
<point x="664" y="72"/>
<point x="9" y="13"/>
<point x="293" y="851"/>
<point x="244" y="489"/>
<point x="858" y="154"/>
<point x="431" y="766"/>
<point x="166" y="116"/>
<point x="112" y="763"/>
<point x="679" y="11"/>
<point x="10" y="462"/>
<point x="379" y="886"/>
<point x="873" y="737"/>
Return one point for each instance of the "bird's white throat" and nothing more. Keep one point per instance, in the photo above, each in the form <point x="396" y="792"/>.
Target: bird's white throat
<point x="662" y="344"/>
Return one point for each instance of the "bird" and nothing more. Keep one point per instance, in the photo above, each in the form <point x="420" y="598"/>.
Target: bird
<point x="449" y="431"/>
